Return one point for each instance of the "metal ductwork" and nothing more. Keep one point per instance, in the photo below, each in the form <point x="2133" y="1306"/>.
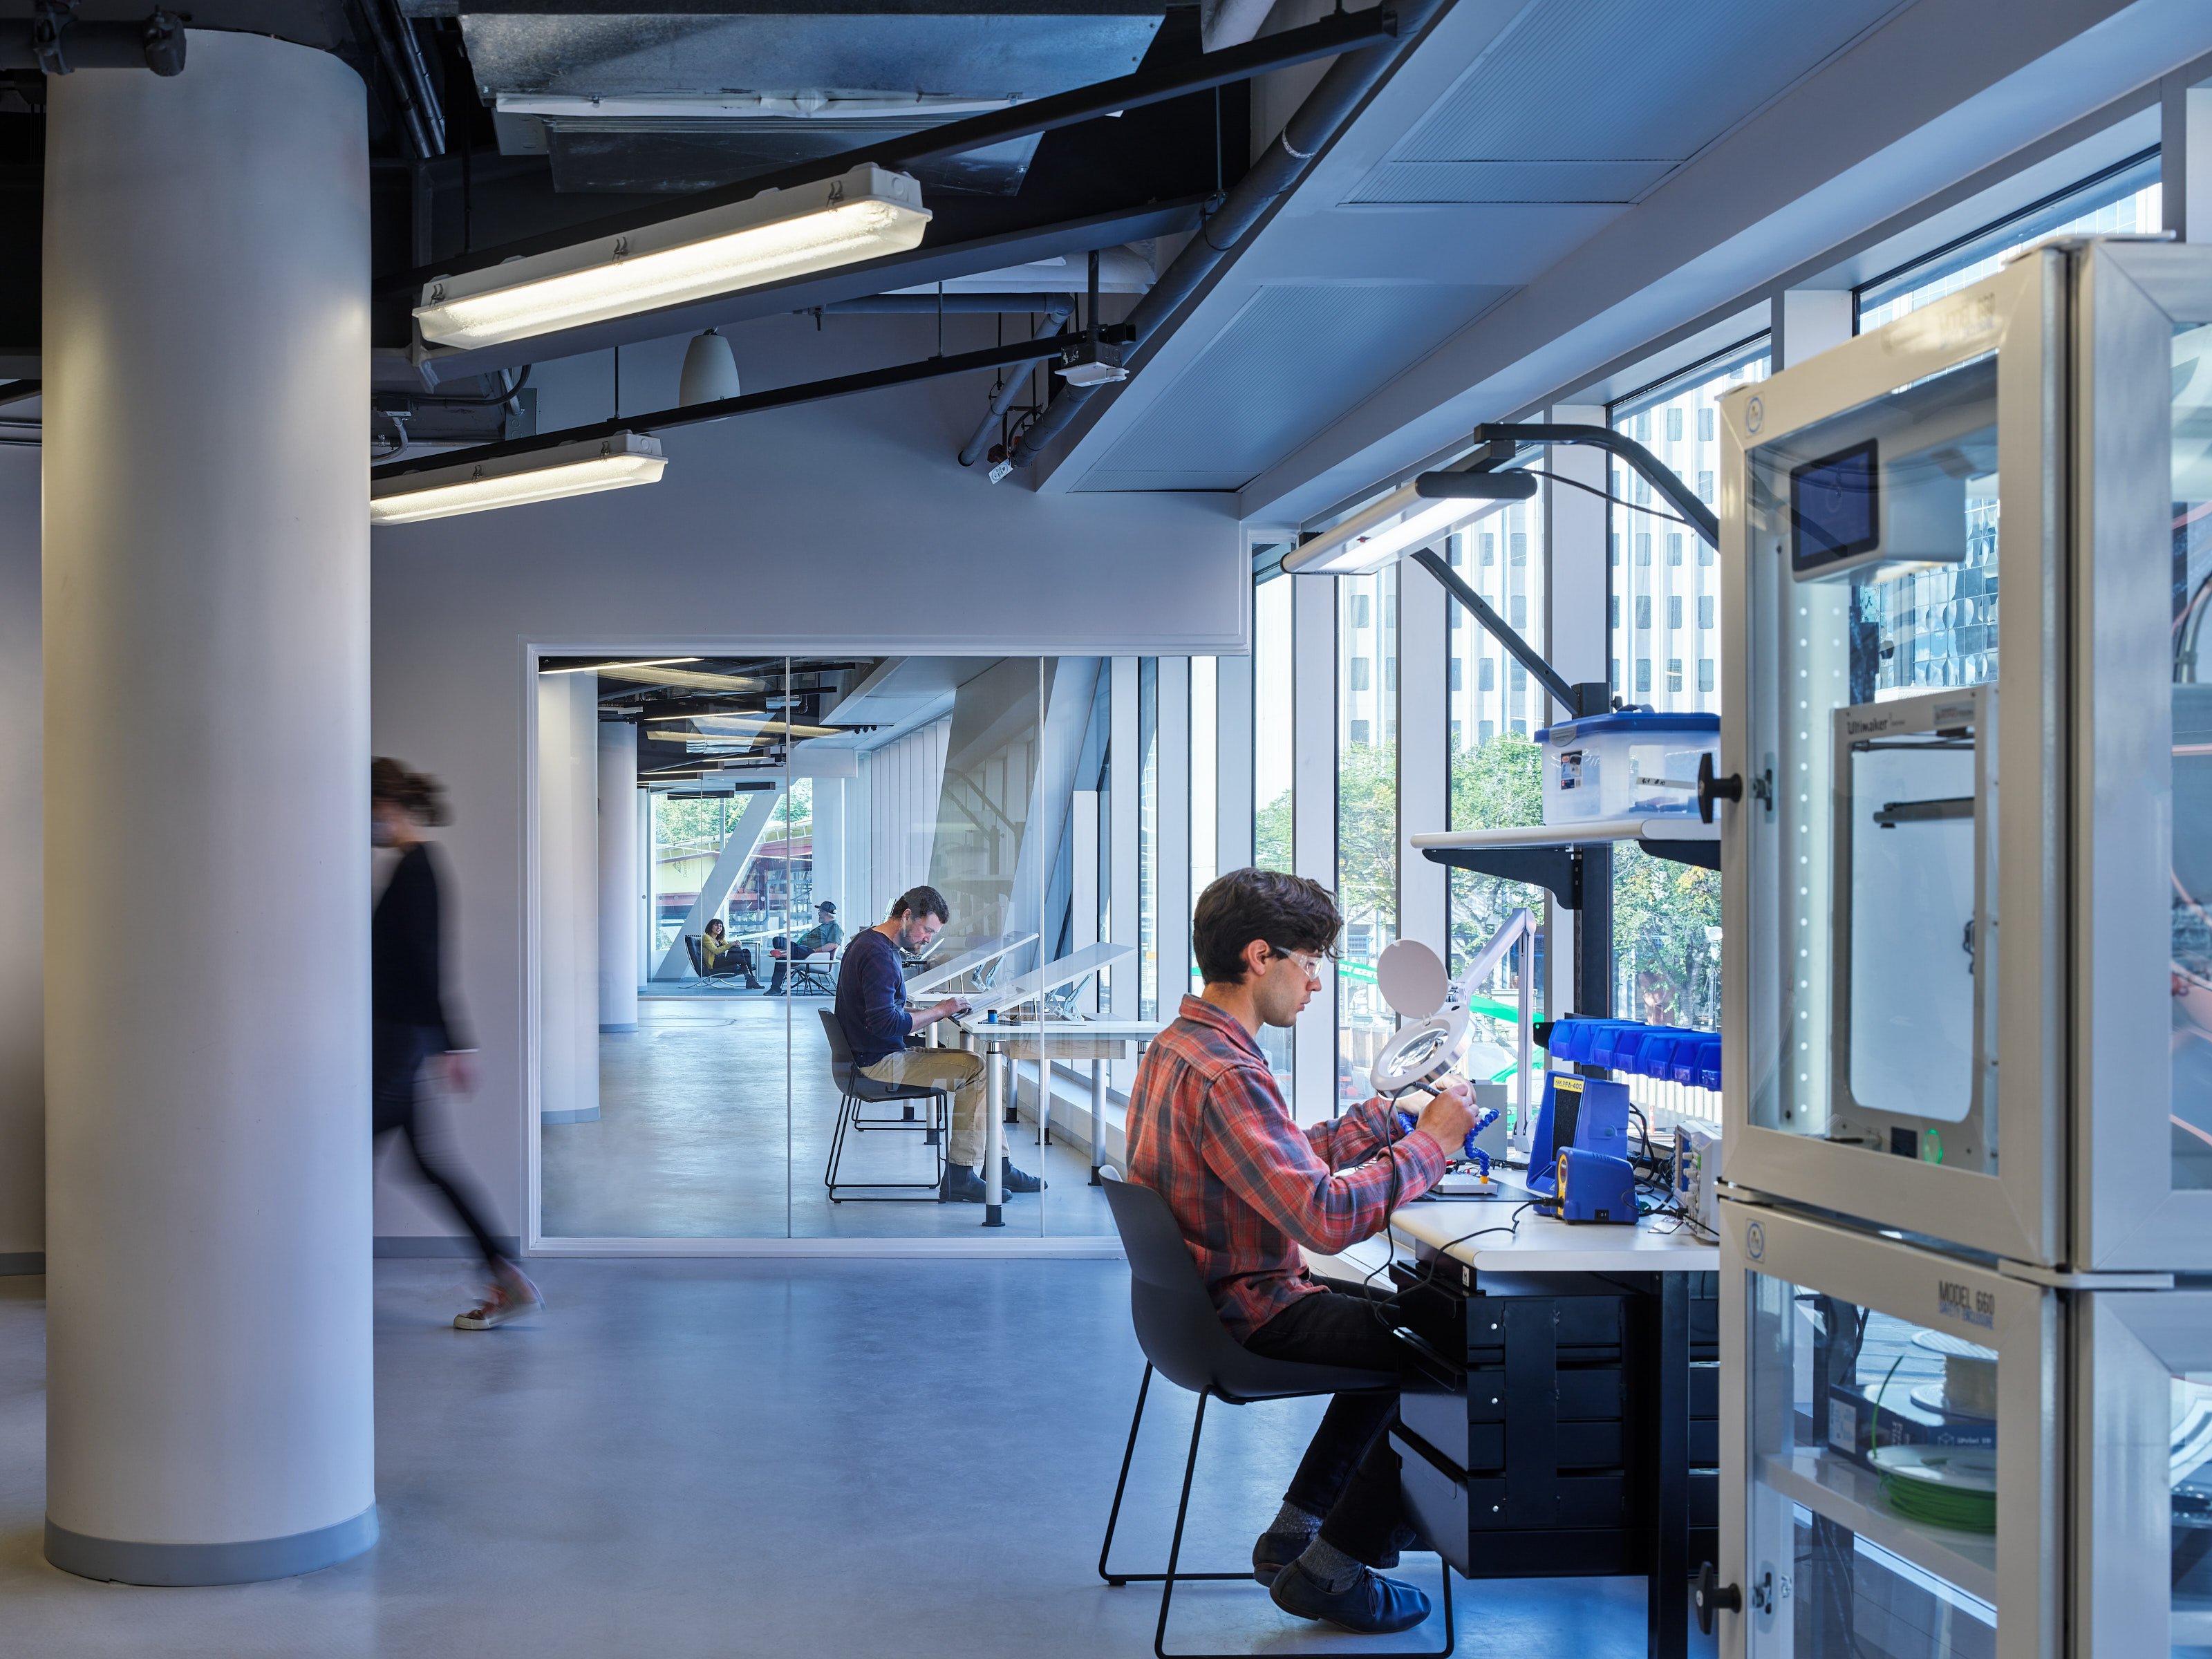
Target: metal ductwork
<point x="1315" y="123"/>
<point x="690" y="96"/>
<point x="1003" y="395"/>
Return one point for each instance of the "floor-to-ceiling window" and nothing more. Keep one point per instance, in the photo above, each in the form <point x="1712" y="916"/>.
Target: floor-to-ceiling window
<point x="1494" y="781"/>
<point x="1366" y="816"/>
<point x="1663" y="628"/>
<point x="1205" y="784"/>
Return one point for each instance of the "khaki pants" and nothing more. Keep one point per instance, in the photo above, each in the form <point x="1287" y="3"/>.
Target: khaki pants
<point x="953" y="1068"/>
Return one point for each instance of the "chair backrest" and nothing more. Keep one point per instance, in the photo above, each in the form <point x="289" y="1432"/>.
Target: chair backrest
<point x="840" y="1052"/>
<point x="1177" y="1326"/>
<point x="691" y="946"/>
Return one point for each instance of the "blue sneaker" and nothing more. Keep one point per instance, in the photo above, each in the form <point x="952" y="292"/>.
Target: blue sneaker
<point x="1373" y="1606"/>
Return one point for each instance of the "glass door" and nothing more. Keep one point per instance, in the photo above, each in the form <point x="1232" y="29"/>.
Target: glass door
<point x="1893" y="966"/>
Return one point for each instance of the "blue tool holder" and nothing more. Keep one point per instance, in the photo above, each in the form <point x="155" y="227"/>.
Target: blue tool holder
<point x="1673" y="1053"/>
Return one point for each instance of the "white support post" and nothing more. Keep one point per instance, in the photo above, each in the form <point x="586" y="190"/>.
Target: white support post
<point x="1232" y="777"/>
<point x="1424" y="751"/>
<point x="1313" y="853"/>
<point x="2186" y="157"/>
<point x="1083" y="885"/>
<point x="619" y="955"/>
<point x="1125" y="764"/>
<point x="568" y="898"/>
<point x="1171" y="934"/>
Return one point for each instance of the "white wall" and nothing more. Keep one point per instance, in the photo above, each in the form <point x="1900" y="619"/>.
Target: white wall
<point x="829" y="527"/>
<point x="22" y="878"/>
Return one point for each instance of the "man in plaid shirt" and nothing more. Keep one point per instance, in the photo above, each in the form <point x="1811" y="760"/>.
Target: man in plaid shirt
<point x="1208" y="1130"/>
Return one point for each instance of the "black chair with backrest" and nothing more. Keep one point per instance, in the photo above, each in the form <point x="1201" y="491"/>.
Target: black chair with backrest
<point x="1183" y="1339"/>
<point x="855" y="1089"/>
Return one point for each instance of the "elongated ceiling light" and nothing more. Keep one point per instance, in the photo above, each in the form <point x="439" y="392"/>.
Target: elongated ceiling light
<point x="601" y="667"/>
<point x="540" y="475"/>
<point x="863" y="214"/>
<point x="1401" y="521"/>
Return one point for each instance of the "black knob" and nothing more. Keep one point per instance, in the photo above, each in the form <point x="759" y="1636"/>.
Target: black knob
<point x="1707" y="1594"/>
<point x="1710" y="788"/>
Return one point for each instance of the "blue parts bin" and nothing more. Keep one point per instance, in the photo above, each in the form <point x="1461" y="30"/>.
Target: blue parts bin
<point x="1673" y="1053"/>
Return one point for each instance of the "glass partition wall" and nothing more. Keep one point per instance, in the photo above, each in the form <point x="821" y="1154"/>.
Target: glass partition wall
<point x="710" y="835"/>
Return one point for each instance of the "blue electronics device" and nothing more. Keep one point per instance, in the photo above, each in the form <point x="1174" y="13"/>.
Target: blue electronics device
<point x="1582" y="1113"/>
<point x="1595" y="1187"/>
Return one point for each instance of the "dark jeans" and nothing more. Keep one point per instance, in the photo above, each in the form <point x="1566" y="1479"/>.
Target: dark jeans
<point x="1349" y="1475"/>
<point x="396" y="1055"/>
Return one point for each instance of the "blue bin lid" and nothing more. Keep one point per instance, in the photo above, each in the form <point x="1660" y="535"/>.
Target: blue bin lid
<point x="1709" y="1063"/>
<point x="1630" y="723"/>
<point x="1656" y="1052"/>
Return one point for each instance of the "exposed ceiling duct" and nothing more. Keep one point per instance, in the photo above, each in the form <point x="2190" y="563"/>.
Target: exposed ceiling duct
<point x="690" y="96"/>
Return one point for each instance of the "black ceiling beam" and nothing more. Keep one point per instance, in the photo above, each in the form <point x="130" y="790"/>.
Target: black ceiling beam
<point x="926" y="263"/>
<point x="1340" y="33"/>
<point x="721" y="409"/>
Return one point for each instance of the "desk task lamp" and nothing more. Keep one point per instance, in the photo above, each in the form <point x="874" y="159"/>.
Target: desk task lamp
<point x="1415" y="984"/>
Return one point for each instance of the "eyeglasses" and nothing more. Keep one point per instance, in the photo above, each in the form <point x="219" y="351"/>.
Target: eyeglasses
<point x="1309" y="964"/>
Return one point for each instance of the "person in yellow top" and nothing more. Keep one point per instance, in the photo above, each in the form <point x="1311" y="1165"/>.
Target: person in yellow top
<point x="720" y="956"/>
<point x="824" y="935"/>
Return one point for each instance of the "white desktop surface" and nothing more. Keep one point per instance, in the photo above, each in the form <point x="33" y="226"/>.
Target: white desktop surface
<point x="1542" y="1244"/>
<point x="1139" y="1031"/>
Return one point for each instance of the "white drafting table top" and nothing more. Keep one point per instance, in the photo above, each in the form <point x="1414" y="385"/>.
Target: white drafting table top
<point x="943" y="973"/>
<point x="1667" y="828"/>
<point x="1543" y="1244"/>
<point x="1051" y="975"/>
<point x="1138" y="1030"/>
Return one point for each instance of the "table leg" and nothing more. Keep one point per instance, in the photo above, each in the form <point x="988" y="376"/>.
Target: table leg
<point x="995" y="1136"/>
<point x="1097" y="1118"/>
<point x="1668" y="1590"/>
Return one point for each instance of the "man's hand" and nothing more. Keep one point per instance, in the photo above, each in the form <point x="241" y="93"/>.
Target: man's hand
<point x="950" y="1008"/>
<point x="1449" y="1113"/>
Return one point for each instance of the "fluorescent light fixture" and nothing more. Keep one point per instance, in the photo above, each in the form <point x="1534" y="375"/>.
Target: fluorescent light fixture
<point x="597" y="667"/>
<point x="539" y="475"/>
<point x="1377" y="535"/>
<point x="863" y="214"/>
<point x="692" y="679"/>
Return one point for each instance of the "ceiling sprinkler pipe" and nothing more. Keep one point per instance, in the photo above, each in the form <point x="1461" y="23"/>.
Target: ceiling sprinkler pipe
<point x="1315" y="122"/>
<point x="1056" y="314"/>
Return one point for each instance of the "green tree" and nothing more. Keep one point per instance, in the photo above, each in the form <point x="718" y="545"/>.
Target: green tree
<point x="1271" y="834"/>
<point x="1367" y="837"/>
<point x="1496" y="786"/>
<point x="1664" y="955"/>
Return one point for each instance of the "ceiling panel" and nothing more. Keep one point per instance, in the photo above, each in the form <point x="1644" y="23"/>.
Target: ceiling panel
<point x="1295" y="357"/>
<point x="1467" y="182"/>
<point x="1620" y="80"/>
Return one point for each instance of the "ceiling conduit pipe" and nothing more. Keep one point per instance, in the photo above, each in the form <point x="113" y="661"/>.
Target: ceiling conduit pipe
<point x="1057" y="310"/>
<point x="1314" y="124"/>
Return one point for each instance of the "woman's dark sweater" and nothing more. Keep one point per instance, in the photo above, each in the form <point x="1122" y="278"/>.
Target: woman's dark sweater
<point x="407" y="986"/>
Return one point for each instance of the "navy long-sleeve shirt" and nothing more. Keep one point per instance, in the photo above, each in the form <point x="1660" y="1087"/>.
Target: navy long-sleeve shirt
<point x="872" y="998"/>
<point x="406" y="981"/>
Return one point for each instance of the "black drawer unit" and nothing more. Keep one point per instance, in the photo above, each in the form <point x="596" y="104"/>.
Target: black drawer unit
<point x="1528" y="1441"/>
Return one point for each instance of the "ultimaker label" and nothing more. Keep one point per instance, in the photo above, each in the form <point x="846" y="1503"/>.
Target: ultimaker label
<point x="1957" y="1300"/>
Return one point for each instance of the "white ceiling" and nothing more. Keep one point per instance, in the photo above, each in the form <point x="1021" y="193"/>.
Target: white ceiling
<point x="1544" y="183"/>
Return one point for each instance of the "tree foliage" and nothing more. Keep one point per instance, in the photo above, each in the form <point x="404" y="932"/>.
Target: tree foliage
<point x="1663" y="956"/>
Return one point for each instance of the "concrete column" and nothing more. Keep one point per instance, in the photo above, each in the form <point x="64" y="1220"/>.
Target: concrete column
<point x="568" y="898"/>
<point x="206" y="532"/>
<point x="622" y="877"/>
<point x="1313" y="837"/>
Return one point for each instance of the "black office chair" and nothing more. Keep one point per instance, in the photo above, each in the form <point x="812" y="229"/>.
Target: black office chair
<point x="703" y="976"/>
<point x="1184" y="1339"/>
<point x="856" y="1089"/>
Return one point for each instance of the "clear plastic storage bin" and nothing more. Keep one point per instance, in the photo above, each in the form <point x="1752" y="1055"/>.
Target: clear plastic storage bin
<point x="1626" y="764"/>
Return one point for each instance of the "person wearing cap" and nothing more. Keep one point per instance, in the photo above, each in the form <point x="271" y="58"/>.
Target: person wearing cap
<point x="824" y="935"/>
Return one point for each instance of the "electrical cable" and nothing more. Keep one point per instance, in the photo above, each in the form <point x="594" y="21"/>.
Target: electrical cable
<point x="1607" y="496"/>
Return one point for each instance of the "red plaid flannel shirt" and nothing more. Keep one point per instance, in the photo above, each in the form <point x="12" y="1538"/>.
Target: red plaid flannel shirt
<point x="1209" y="1132"/>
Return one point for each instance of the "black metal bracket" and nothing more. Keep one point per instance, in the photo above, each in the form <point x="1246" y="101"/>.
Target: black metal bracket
<point x="1655" y="471"/>
<point x="1591" y="697"/>
<point x="1579" y="876"/>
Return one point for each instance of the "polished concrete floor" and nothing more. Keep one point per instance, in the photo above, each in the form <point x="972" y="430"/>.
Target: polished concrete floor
<point x="699" y="1137"/>
<point x="744" y="1457"/>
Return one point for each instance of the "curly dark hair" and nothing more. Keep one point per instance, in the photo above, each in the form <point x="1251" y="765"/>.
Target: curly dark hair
<point x="920" y="901"/>
<point x="1287" y="913"/>
<point x="422" y="795"/>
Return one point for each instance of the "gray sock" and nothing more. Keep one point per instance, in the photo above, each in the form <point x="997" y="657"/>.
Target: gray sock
<point x="1329" y="1566"/>
<point x="1291" y="1522"/>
